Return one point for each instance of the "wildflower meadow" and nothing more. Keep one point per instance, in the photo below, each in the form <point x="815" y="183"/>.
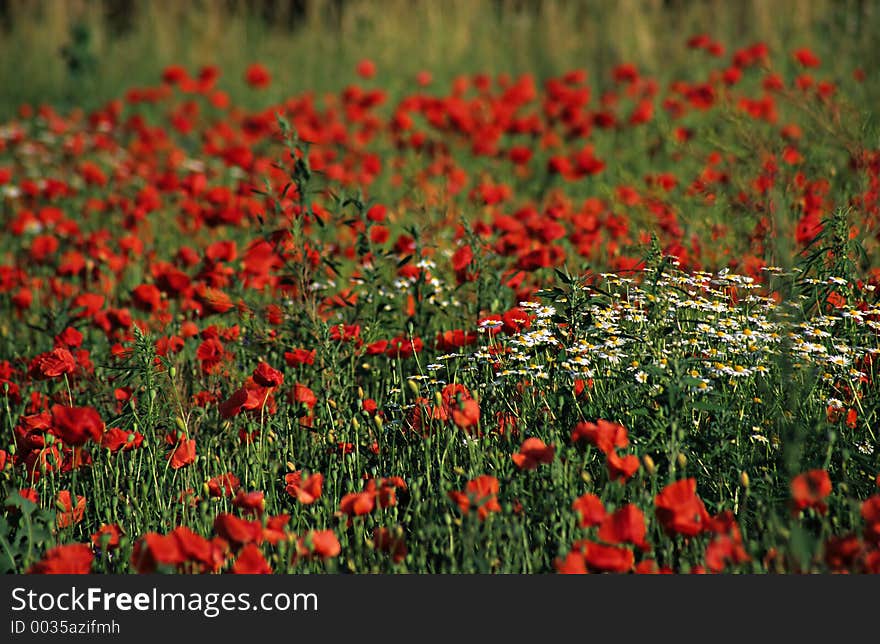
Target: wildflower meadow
<point x="466" y="321"/>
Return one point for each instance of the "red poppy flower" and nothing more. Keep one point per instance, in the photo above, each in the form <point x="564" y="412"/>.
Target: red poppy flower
<point x="55" y="363"/>
<point x="305" y="492"/>
<point x="322" y="544"/>
<point x="402" y="347"/>
<point x="299" y="357"/>
<point x="183" y="452"/>
<point x="387" y="492"/>
<point x="391" y="542"/>
<point x="276" y="529"/>
<point x="303" y="395"/>
<point x="236" y="530"/>
<point x="871" y="514"/>
<point x="452" y="340"/>
<point x="223" y="485"/>
<point x="807" y="58"/>
<point x="377" y="348"/>
<point x="174" y="74"/>
<point x="210" y="354"/>
<point x="843" y="552"/>
<point x="366" y="68"/>
<point x="72" y="559"/>
<point x="249" y="502"/>
<point x="235" y="404"/>
<point x="29" y="494"/>
<point x="680" y="510"/>
<point x="602" y="558"/>
<point x="266" y="376"/>
<point x="572" y="564"/>
<point x="153" y="550"/>
<point x="603" y="434"/>
<point x="515" y="320"/>
<point x="467" y="414"/>
<point x="461" y="260"/>
<point x="649" y="567"/>
<point x="66" y="513"/>
<point x="76" y="425"/>
<point x="626" y="525"/>
<point x="590" y="509"/>
<point x="358" y="503"/>
<point x="147" y="297"/>
<point x="257" y="76"/>
<point x="532" y="453"/>
<point x="115" y="439"/>
<point x="250" y="561"/>
<point x="346" y="333"/>
<point x="107" y="536"/>
<point x="621" y="468"/>
<point x="810" y="489"/>
<point x="325" y="544"/>
<point x="725" y="550"/>
<point x="479" y="493"/>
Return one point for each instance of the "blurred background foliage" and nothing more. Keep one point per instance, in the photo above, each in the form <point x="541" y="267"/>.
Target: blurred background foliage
<point x="83" y="52"/>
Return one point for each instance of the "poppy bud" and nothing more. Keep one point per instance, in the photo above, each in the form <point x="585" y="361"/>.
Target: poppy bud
<point x="360" y="393"/>
<point x="205" y="489"/>
<point x="413" y="386"/>
<point x="181" y="425"/>
<point x="682" y="459"/>
<point x="172" y="372"/>
<point x="378" y="420"/>
<point x="649" y="464"/>
<point x="291" y="466"/>
<point x="586" y="477"/>
<point x="439" y="398"/>
<point x="331" y="402"/>
<point x="744" y="479"/>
